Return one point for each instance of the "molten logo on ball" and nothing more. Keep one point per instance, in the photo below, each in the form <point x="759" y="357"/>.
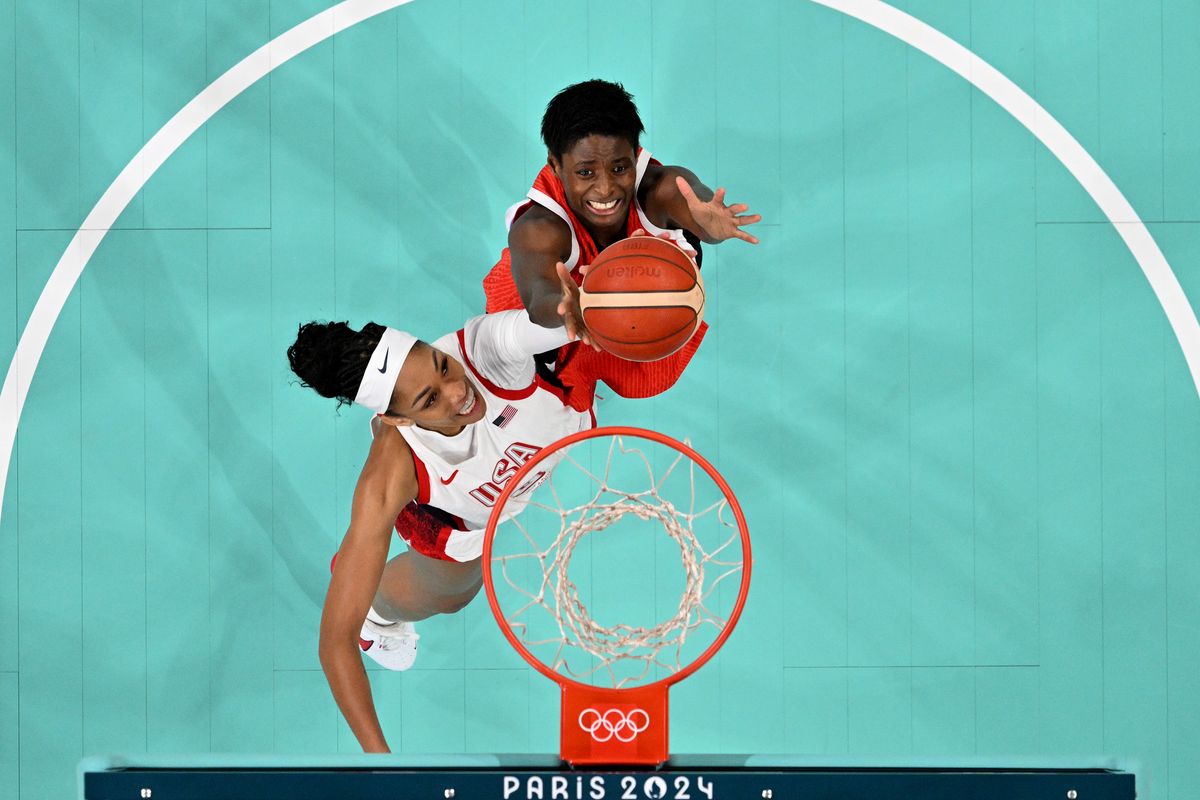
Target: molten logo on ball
<point x="635" y="271"/>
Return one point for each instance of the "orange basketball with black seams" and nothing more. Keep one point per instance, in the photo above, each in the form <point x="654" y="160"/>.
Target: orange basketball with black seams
<point x="642" y="298"/>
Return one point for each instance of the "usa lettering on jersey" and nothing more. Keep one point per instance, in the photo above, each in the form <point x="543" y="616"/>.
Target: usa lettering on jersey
<point x="515" y="456"/>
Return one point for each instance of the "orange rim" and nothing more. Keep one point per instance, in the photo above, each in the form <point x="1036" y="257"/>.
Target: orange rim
<point x="595" y="433"/>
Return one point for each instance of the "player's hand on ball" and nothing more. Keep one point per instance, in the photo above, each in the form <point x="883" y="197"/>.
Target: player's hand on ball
<point x="568" y="306"/>
<point x="718" y="221"/>
<point x="666" y="237"/>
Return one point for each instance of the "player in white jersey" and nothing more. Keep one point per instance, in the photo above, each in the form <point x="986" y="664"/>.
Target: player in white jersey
<point x="463" y="475"/>
<point x="454" y="421"/>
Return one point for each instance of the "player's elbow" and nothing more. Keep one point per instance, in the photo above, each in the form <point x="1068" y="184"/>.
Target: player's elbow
<point x="542" y="307"/>
<point x="326" y="651"/>
<point x="334" y="643"/>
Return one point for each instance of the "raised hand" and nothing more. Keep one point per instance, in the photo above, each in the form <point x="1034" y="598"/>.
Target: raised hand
<point x="568" y="306"/>
<point x="717" y="221"/>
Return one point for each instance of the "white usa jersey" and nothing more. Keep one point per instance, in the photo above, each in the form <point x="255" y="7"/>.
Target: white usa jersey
<point x="464" y="474"/>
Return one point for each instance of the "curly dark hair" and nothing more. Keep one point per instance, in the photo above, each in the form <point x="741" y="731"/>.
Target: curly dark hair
<point x="331" y="357"/>
<point x="591" y="107"/>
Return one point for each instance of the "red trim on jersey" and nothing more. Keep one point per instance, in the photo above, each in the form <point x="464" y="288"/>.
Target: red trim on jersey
<point x="442" y="539"/>
<point x="422" y="479"/>
<point x="558" y="392"/>
<point x="507" y="394"/>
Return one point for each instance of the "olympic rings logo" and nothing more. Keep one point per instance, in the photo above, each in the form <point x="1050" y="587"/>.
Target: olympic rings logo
<point x="614" y="724"/>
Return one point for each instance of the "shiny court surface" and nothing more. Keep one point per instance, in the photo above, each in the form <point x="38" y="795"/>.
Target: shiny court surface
<point x="544" y="778"/>
<point x="966" y="440"/>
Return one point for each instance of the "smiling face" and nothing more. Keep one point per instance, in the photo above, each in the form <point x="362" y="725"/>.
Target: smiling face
<point x="433" y="392"/>
<point x="599" y="176"/>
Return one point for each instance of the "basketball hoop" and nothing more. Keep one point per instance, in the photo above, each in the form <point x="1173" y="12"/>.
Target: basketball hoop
<point x="545" y="615"/>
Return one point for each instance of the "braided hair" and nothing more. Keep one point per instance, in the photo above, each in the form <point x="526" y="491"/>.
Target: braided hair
<point x="331" y="357"/>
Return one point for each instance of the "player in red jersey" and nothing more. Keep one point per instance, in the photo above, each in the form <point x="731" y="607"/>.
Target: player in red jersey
<point x="599" y="186"/>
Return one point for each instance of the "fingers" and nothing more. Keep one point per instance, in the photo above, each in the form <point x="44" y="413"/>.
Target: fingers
<point x="568" y="296"/>
<point x="570" y="325"/>
<point x="748" y="219"/>
<point x="568" y="306"/>
<point x="643" y="232"/>
<point x="569" y="288"/>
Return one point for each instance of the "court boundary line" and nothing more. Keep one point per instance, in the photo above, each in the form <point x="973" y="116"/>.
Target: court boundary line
<point x="1061" y="144"/>
<point x="325" y="24"/>
<point x="120" y="193"/>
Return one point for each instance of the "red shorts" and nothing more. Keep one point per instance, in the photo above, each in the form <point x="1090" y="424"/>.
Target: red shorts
<point x="427" y="529"/>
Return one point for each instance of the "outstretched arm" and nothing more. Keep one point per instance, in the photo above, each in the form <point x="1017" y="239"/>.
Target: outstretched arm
<point x="681" y="200"/>
<point x="384" y="488"/>
<point x="538" y="243"/>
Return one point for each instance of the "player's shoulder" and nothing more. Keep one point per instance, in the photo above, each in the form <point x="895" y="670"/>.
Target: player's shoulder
<point x="654" y="173"/>
<point x="539" y="229"/>
<point x="662" y="176"/>
<point x="481" y="335"/>
<point x="389" y="475"/>
<point x="657" y="192"/>
<point x="470" y="334"/>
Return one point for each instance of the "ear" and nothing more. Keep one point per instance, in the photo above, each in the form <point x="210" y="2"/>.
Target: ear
<point x="553" y="162"/>
<point x="395" y="422"/>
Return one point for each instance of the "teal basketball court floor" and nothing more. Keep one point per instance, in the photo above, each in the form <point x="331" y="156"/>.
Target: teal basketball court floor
<point x="960" y="423"/>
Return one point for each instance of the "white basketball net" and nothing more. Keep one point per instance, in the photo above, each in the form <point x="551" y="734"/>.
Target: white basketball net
<point x="661" y="645"/>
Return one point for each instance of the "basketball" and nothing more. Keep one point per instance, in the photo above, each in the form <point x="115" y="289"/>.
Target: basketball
<point x="642" y="298"/>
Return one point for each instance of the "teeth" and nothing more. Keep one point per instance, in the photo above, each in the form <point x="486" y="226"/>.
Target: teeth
<point x="470" y="401"/>
<point x="603" y="206"/>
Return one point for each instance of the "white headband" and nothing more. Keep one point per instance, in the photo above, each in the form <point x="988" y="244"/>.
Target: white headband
<point x="375" y="391"/>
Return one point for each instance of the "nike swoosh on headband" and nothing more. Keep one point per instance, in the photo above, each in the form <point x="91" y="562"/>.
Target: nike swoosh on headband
<point x="375" y="389"/>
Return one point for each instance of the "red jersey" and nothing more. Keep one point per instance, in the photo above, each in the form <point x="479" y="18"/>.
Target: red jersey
<point x="579" y="367"/>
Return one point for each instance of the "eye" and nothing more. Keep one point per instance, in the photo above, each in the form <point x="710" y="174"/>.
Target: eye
<point x="620" y="169"/>
<point x="445" y="365"/>
<point x="429" y="400"/>
<point x="584" y="173"/>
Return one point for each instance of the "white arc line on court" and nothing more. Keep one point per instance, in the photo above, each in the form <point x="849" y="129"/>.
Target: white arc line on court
<point x="987" y="79"/>
<point x="237" y="79"/>
<point x="316" y="29"/>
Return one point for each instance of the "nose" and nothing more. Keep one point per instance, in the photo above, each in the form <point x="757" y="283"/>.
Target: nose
<point x="604" y="184"/>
